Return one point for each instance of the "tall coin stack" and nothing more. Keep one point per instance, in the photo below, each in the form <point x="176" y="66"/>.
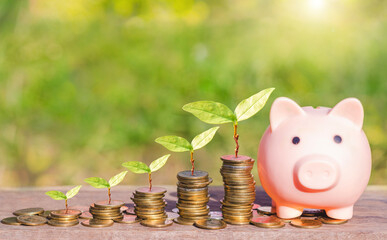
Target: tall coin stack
<point x="192" y="193"/>
<point x="103" y="210"/>
<point x="64" y="218"/>
<point x="150" y="206"/>
<point x="239" y="189"/>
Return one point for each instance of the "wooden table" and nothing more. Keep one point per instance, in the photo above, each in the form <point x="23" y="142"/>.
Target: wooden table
<point x="369" y="221"/>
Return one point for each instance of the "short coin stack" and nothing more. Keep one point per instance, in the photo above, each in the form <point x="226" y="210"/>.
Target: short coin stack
<point x="103" y="210"/>
<point x="239" y="188"/>
<point x="150" y="206"/>
<point x="192" y="193"/>
<point x="64" y="218"/>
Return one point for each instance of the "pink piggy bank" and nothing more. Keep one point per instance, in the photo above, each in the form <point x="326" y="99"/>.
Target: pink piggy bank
<point x="314" y="158"/>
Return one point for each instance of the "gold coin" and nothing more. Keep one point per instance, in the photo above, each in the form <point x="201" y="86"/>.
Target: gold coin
<point x="192" y="190"/>
<point x="66" y="213"/>
<point x="153" y="217"/>
<point x="232" y="158"/>
<point x="31" y="220"/>
<point x="263" y="221"/>
<point x="328" y="220"/>
<point x="86" y="215"/>
<point x="306" y="223"/>
<point x="156" y="224"/>
<point x="196" y="175"/>
<point x="210" y="224"/>
<point x="150" y="213"/>
<point x="64" y="219"/>
<point x="279" y="225"/>
<point x="45" y="213"/>
<point x="56" y="223"/>
<point x="105" y="214"/>
<point x="105" y="204"/>
<point x="153" y="191"/>
<point x="128" y="219"/>
<point x="183" y="221"/>
<point x="10" y="221"/>
<point x="108" y="217"/>
<point x="288" y="220"/>
<point x="148" y="210"/>
<point x="140" y="197"/>
<point x="97" y="223"/>
<point x="237" y="222"/>
<point x="28" y="211"/>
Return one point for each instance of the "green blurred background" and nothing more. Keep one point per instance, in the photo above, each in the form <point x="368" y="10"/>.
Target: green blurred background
<point x="88" y="84"/>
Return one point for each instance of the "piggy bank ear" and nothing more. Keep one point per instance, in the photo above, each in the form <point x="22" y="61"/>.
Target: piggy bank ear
<point x="351" y="109"/>
<point x="282" y="109"/>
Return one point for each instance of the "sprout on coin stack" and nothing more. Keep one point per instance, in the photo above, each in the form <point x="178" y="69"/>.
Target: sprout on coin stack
<point x="179" y="144"/>
<point x="105" y="212"/>
<point x="192" y="186"/>
<point x="140" y="167"/>
<point x="57" y="195"/>
<point x="98" y="182"/>
<point x="66" y="217"/>
<point x="149" y="201"/>
<point x="236" y="170"/>
<point x="218" y="113"/>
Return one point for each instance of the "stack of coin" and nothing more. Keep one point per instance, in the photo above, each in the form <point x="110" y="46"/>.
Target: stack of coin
<point x="192" y="193"/>
<point x="103" y="210"/>
<point x="239" y="188"/>
<point x="64" y="218"/>
<point x="150" y="207"/>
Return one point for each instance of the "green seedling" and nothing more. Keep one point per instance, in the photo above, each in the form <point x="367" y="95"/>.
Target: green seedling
<point x="179" y="144"/>
<point x="218" y="113"/>
<point x="57" y="195"/>
<point x="102" y="183"/>
<point x="139" y="167"/>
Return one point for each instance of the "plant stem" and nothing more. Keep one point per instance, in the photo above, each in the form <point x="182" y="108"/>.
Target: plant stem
<point x="192" y="163"/>
<point x="110" y="196"/>
<point x="150" y="182"/>
<point x="67" y="207"/>
<point x="236" y="137"/>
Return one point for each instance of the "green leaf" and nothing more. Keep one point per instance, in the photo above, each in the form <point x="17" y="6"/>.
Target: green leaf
<point x="250" y="106"/>
<point x="97" y="182"/>
<point x="204" y="138"/>
<point x="175" y="143"/>
<point x="117" y="178"/>
<point x="159" y="163"/>
<point x="72" y="192"/>
<point x="210" y="112"/>
<point x="136" y="167"/>
<point x="56" y="195"/>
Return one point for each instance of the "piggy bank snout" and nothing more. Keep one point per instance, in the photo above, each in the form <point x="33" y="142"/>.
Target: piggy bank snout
<point x="316" y="173"/>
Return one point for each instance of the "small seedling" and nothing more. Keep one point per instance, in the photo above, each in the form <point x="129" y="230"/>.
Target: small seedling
<point x="102" y="183"/>
<point x="179" y="144"/>
<point x="57" y="195"/>
<point x="139" y="167"/>
<point x="218" y="113"/>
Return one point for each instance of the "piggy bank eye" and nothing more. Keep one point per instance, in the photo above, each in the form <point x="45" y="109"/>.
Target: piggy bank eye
<point x="296" y="140"/>
<point x="337" y="139"/>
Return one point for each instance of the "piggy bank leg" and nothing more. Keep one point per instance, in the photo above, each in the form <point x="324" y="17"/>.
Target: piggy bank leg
<point x="340" y="213"/>
<point x="288" y="212"/>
